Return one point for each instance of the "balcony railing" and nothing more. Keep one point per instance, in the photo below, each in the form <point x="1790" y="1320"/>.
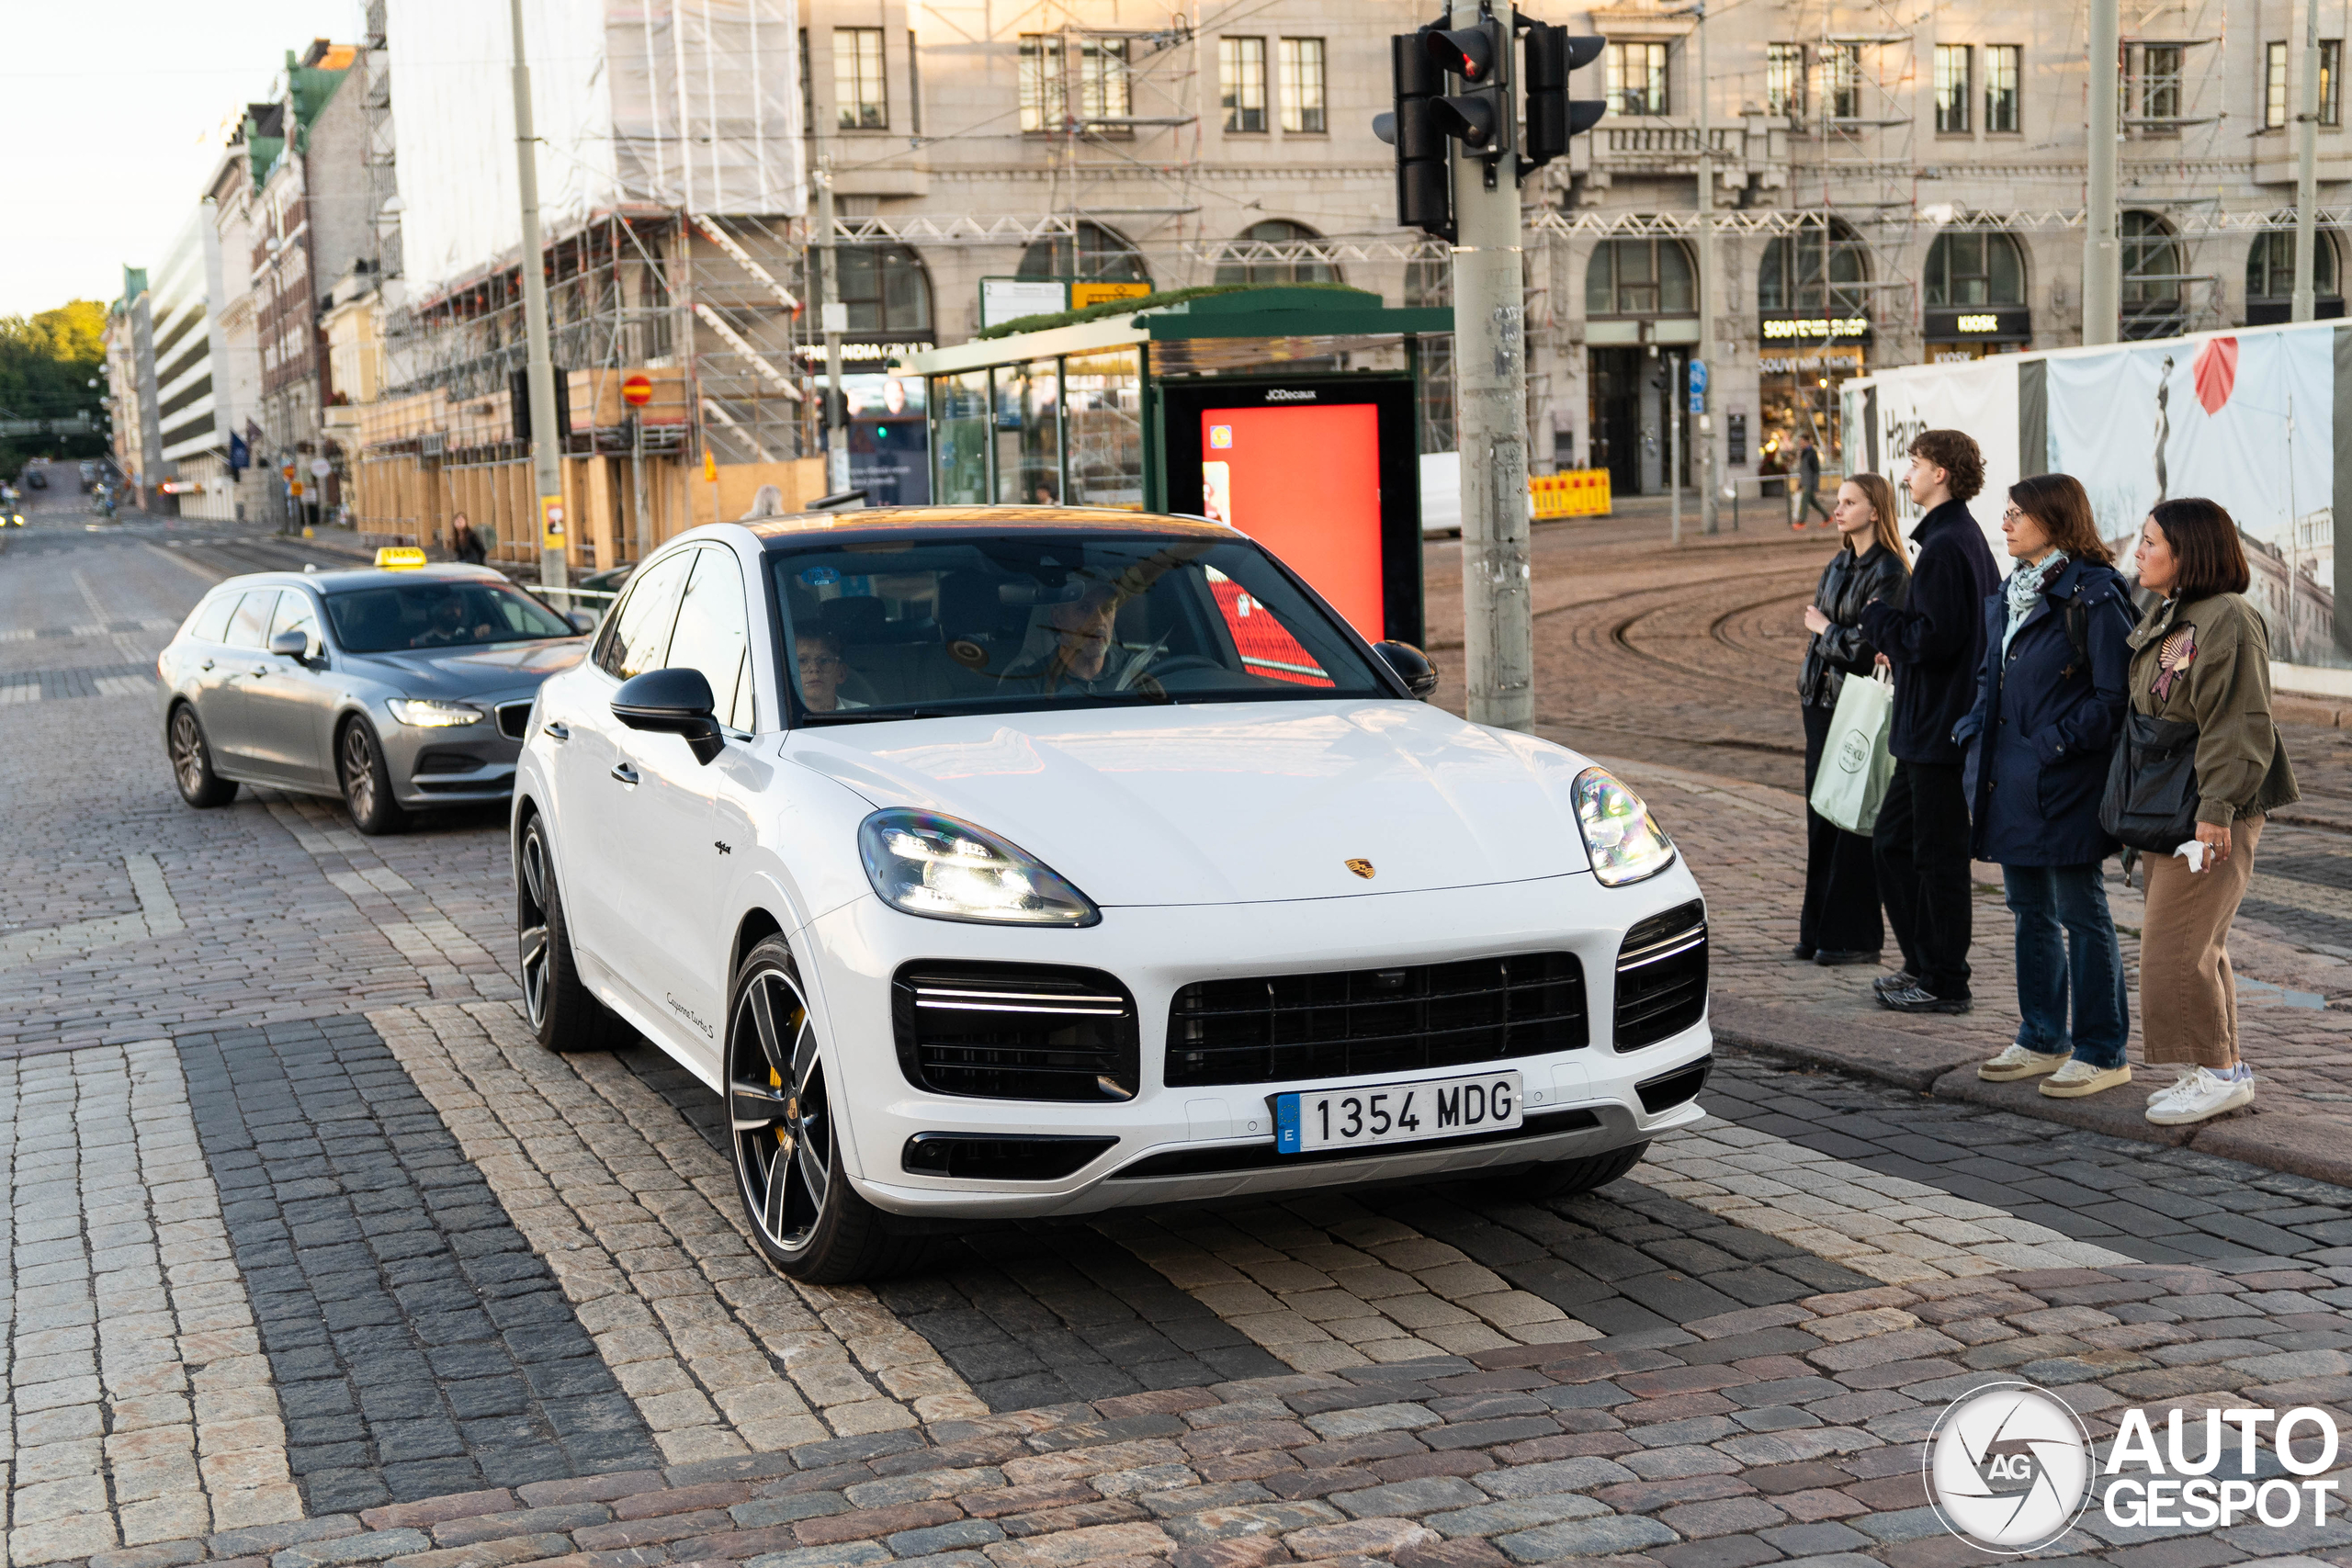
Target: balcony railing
<point x="1669" y="141"/>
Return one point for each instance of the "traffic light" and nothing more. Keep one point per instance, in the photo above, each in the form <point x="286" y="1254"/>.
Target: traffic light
<point x="1481" y="117"/>
<point x="1552" y="116"/>
<point x="1424" y="173"/>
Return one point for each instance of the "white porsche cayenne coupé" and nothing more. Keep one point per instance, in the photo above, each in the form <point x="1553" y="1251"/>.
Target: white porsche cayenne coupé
<point x="999" y="861"/>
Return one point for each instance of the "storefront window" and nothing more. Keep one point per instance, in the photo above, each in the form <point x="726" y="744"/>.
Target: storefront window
<point x="2270" y="266"/>
<point x="1102" y="397"/>
<point x="2153" y="273"/>
<point x="1029" y="435"/>
<point x="1797" y="392"/>
<point x="1819" y="271"/>
<point x="960" y="431"/>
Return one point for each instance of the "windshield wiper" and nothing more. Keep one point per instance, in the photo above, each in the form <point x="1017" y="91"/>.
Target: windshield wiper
<point x="872" y="716"/>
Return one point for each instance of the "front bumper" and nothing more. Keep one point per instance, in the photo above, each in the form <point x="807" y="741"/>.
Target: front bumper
<point x="1578" y="1102"/>
<point x="463" y="765"/>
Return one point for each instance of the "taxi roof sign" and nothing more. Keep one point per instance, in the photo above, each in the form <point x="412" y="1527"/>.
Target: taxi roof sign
<point x="399" y="558"/>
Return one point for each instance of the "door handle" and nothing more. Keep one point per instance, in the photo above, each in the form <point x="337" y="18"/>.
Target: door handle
<point x="626" y="774"/>
<point x="556" y="729"/>
<point x="206" y="665"/>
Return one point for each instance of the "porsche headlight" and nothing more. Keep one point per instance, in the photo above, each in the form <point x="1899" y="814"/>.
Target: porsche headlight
<point x="947" y="869"/>
<point x="1625" y="842"/>
<point x="429" y="714"/>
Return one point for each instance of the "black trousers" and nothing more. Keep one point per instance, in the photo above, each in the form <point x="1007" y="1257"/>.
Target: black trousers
<point x="1841" y="909"/>
<point x="1921" y="847"/>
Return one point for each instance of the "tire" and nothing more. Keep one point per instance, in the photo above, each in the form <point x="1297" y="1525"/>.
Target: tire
<point x="802" y="1211"/>
<point x="192" y="757"/>
<point x="367" y="781"/>
<point x="1567" y="1178"/>
<point x="563" y="1014"/>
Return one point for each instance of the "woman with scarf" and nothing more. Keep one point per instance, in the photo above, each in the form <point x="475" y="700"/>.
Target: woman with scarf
<point x="2050" y="701"/>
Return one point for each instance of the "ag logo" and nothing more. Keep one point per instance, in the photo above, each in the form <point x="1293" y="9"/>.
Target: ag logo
<point x="1853" y="752"/>
<point x="2008" y="1468"/>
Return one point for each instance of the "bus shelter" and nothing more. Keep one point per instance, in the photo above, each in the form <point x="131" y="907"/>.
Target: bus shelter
<point x="1290" y="412"/>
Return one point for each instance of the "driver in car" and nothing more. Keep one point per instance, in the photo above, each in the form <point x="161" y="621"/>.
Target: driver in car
<point x="1068" y="646"/>
<point x="448" y="626"/>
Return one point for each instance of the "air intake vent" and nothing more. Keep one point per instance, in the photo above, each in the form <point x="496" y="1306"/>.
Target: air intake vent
<point x="515" y="720"/>
<point x="1672" y="1088"/>
<point x="1015" y="1032"/>
<point x="1662" y="977"/>
<point x="1282" y="1028"/>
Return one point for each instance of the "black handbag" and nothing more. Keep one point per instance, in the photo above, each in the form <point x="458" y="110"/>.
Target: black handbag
<point x="2150" y="799"/>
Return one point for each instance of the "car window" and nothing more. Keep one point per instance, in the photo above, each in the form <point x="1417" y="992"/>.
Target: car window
<point x="211" y="622"/>
<point x="440" y="611"/>
<point x="294" y="615"/>
<point x="1054" y="620"/>
<point x="638" y="636"/>
<point x="710" y="634"/>
<point x="248" y="627"/>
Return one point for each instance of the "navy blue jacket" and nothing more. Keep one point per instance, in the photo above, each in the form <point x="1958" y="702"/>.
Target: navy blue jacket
<point x="1936" y="637"/>
<point x="2044" y="727"/>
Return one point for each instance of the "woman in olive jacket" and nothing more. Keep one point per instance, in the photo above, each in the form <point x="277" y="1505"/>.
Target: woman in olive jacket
<point x="1839" y="923"/>
<point x="2201" y="655"/>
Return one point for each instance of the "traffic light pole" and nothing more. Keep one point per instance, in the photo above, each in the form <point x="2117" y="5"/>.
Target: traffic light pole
<point x="1490" y="389"/>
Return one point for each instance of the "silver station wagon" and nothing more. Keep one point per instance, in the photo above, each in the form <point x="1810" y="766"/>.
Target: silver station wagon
<point x="392" y="689"/>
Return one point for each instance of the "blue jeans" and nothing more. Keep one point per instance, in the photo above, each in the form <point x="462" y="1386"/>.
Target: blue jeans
<point x="2067" y="944"/>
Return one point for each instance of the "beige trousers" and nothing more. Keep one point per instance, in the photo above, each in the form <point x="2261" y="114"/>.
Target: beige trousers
<point x="2188" y="996"/>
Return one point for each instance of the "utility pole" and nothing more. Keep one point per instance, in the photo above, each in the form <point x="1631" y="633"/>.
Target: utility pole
<point x="1490" y="384"/>
<point x="546" y="460"/>
<point x="1709" y="502"/>
<point x="2102" y="257"/>
<point x="2306" y="303"/>
<point x="833" y="317"/>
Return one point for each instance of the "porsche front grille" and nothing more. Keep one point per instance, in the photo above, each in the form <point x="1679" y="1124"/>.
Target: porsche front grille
<point x="1662" y="977"/>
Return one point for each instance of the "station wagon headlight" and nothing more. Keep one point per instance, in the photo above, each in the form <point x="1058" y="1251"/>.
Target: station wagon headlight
<point x="425" y="713"/>
<point x="1625" y="842"/>
<point x="946" y="868"/>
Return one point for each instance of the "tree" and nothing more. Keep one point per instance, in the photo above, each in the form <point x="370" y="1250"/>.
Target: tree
<point x="47" y="362"/>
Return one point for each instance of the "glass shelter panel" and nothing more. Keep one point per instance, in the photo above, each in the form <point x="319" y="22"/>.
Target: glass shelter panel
<point x="1103" y="399"/>
<point x="960" y="437"/>
<point x="1029" y="435"/>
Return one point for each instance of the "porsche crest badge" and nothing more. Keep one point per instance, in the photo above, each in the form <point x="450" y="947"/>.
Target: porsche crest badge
<point x="1362" y="868"/>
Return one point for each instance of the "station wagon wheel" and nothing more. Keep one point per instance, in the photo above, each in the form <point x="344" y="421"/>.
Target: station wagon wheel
<point x="192" y="763"/>
<point x="367" y="781"/>
<point x="784" y="1125"/>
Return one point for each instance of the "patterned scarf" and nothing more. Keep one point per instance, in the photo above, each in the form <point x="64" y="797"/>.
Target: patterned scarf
<point x="2024" y="586"/>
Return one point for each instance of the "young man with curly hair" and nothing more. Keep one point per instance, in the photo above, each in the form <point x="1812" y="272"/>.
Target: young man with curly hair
<point x="1935" y="641"/>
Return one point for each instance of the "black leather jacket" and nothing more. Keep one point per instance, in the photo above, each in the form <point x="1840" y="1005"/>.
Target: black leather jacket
<point x="1847" y="583"/>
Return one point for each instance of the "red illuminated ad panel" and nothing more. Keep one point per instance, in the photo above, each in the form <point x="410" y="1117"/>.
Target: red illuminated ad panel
<point x="1305" y="481"/>
<point x="1264" y="645"/>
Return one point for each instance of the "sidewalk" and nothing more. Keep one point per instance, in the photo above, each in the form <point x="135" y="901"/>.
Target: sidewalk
<point x="1745" y="841"/>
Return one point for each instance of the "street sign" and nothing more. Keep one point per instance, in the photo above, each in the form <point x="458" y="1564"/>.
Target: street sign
<point x="320" y="467"/>
<point x="1698" y="385"/>
<point x="637" y="390"/>
<point x="551" y="523"/>
<point x="1085" y="294"/>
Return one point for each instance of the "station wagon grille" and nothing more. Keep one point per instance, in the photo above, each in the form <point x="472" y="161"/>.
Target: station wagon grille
<point x="515" y="720"/>
<point x="1015" y="1032"/>
<point x="1282" y="1028"/>
<point x="1662" y="977"/>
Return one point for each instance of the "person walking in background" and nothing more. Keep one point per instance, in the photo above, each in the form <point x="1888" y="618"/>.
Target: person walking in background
<point x="2201" y="655"/>
<point x="1934" y="640"/>
<point x="1839" y="923"/>
<point x="1809" y="482"/>
<point x="2050" y="699"/>
<point x="464" y="543"/>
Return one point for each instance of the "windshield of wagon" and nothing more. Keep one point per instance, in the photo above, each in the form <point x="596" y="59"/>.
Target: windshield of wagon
<point x="429" y="614"/>
<point x="929" y="626"/>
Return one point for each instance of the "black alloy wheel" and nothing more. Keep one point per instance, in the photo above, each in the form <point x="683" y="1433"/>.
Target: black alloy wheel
<point x="801" y="1208"/>
<point x="564" y="1015"/>
<point x="192" y="763"/>
<point x="367" y="781"/>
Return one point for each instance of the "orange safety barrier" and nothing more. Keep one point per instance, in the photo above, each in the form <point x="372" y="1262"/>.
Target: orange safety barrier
<point x="1581" y="492"/>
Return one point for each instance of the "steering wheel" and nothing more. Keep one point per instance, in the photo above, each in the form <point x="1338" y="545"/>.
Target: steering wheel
<point x="1169" y="666"/>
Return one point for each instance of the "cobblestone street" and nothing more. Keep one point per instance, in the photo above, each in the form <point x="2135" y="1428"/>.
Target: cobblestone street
<point x="313" y="1257"/>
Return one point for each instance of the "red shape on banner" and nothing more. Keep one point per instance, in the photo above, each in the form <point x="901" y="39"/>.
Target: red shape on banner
<point x="2216" y="372"/>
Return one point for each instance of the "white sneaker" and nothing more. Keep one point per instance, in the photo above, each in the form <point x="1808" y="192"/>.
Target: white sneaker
<point x="2017" y="1062"/>
<point x="2182" y="1076"/>
<point x="2199" y="1097"/>
<point x="2078" y="1077"/>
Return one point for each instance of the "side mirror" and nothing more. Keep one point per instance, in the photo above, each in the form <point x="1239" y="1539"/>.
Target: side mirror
<point x="582" y="621"/>
<point x="672" y="702"/>
<point x="291" y="644"/>
<point x="1410" y="665"/>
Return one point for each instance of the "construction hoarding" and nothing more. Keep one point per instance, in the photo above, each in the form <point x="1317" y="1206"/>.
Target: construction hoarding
<point x="2249" y="419"/>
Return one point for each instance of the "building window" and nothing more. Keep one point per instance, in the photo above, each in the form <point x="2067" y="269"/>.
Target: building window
<point x="914" y="83"/>
<point x="2001" y="67"/>
<point x="1975" y="269"/>
<point x="1819" y="271"/>
<point x="2151" y="275"/>
<point x="1103" y="95"/>
<point x="2331" y="56"/>
<point x="2159" y="93"/>
<point x="1637" y="78"/>
<point x="1639" y="277"/>
<point x="860" y="100"/>
<point x="1302" y="60"/>
<point x="2270" y="267"/>
<point x="1842" y="66"/>
<point x="808" y="96"/>
<point x="1095" y="253"/>
<point x="2274" y="86"/>
<point x="1241" y="81"/>
<point x="1953" y="88"/>
<point x="886" y="289"/>
<point x="1297" y="266"/>
<point x="1784" y="79"/>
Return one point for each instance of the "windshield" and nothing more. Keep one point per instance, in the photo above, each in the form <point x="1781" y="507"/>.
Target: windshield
<point x="439" y="614"/>
<point x="1044" y="620"/>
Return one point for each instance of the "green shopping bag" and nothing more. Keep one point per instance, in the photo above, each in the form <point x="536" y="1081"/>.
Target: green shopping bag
<point x="1855" y="766"/>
